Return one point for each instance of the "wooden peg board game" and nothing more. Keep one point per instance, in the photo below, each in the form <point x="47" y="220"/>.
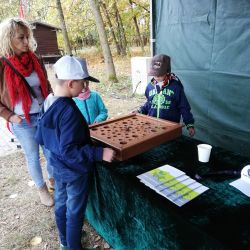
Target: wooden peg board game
<point x="132" y="134"/>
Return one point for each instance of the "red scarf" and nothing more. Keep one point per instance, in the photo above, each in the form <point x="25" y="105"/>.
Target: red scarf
<point x="25" y="64"/>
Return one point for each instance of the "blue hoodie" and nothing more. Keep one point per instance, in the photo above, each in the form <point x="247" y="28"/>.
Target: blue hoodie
<point x="64" y="132"/>
<point x="93" y="108"/>
<point x="169" y="103"/>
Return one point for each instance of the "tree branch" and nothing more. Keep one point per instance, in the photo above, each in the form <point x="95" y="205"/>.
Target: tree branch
<point x="141" y="6"/>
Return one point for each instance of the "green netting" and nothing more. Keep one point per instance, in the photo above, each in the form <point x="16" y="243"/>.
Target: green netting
<point x="208" y="41"/>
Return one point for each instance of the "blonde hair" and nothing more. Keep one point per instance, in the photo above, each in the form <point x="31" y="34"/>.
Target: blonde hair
<point x="8" y="28"/>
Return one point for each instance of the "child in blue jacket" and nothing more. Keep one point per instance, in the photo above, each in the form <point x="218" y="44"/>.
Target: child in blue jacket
<point x="165" y="95"/>
<point x="64" y="132"/>
<point x="91" y="105"/>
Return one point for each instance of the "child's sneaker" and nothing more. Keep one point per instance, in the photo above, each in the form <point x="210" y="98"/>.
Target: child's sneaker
<point x="62" y="247"/>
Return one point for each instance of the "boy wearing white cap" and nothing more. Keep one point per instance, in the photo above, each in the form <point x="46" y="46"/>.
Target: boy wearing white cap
<point x="64" y="132"/>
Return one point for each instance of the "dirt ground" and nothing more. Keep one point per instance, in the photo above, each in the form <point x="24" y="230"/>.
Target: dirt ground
<point x="24" y="222"/>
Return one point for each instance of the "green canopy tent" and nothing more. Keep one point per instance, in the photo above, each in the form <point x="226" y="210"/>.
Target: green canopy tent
<point x="208" y="41"/>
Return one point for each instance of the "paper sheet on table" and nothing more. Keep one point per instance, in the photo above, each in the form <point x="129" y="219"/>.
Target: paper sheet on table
<point x="173" y="184"/>
<point x="243" y="184"/>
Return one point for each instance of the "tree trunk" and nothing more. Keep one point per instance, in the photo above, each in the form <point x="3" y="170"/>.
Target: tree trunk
<point x="137" y="27"/>
<point x="64" y="29"/>
<point x="120" y="31"/>
<point x="104" y="41"/>
<point x="104" y="7"/>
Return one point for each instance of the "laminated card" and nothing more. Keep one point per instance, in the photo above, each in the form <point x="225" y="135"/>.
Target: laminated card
<point x="173" y="184"/>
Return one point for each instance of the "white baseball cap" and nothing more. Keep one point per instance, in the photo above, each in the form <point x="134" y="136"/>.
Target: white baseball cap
<point x="243" y="184"/>
<point x="72" y="68"/>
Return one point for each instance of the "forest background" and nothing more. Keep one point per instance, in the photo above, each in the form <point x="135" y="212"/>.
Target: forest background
<point x="112" y="27"/>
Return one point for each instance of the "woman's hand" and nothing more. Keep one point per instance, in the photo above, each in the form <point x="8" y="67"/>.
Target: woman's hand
<point x="15" y="119"/>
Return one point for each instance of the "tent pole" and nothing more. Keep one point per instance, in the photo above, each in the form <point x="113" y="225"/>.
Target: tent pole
<point x="152" y="39"/>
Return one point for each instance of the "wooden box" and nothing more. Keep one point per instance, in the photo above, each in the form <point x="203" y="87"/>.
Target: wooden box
<point x="132" y="134"/>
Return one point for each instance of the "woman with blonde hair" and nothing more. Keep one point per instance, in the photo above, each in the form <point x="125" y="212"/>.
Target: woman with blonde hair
<point x="23" y="87"/>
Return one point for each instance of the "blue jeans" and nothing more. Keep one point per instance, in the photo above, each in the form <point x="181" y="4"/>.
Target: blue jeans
<point x="70" y="205"/>
<point x="25" y="132"/>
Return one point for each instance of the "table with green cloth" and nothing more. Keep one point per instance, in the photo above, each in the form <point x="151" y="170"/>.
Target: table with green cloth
<point x="130" y="215"/>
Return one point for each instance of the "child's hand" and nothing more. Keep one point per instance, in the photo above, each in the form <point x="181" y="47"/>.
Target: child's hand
<point x="191" y="131"/>
<point x="108" y="154"/>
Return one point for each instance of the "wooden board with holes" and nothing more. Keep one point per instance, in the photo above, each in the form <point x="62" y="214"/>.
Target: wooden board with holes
<point x="133" y="134"/>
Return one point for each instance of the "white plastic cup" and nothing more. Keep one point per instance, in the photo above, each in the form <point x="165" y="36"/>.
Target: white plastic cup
<point x="204" y="151"/>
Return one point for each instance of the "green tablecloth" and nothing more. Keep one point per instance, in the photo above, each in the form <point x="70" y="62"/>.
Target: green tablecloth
<point x="130" y="215"/>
